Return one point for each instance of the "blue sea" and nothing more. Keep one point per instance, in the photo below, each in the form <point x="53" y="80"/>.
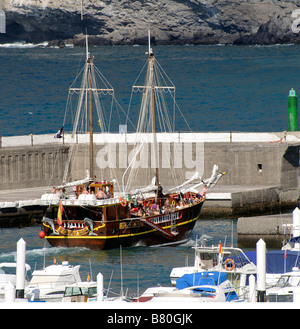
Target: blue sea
<point x="142" y="267"/>
<point x="218" y="88"/>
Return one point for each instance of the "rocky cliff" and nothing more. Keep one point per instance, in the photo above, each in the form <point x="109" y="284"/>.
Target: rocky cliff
<point x="118" y="22"/>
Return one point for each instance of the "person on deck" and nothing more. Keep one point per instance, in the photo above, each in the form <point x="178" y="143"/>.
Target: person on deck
<point x="100" y="195"/>
<point x="155" y="209"/>
<point x="203" y="191"/>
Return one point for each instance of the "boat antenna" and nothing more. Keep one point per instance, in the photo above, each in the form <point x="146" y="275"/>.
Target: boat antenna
<point x="232" y="233"/>
<point x="91" y="271"/>
<point x="108" y="288"/>
<point x="121" y="264"/>
<point x="44" y="254"/>
<point x="138" y="287"/>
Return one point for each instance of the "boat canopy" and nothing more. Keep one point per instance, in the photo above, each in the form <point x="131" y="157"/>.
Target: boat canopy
<point x="295" y="239"/>
<point x="276" y="261"/>
<point x="211" y="278"/>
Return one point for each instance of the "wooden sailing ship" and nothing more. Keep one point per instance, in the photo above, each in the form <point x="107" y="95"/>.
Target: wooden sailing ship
<point x="98" y="217"/>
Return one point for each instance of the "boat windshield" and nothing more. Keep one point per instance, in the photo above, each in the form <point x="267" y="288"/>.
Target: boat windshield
<point x="80" y="291"/>
<point x="288" y="281"/>
<point x="210" y="257"/>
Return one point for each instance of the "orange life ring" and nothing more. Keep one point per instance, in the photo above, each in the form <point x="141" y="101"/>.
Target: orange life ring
<point x="123" y="202"/>
<point x="231" y="264"/>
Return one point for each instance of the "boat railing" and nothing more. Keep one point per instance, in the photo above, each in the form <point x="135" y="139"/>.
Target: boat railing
<point x="97" y="202"/>
<point x="244" y="293"/>
<point x="83" y="199"/>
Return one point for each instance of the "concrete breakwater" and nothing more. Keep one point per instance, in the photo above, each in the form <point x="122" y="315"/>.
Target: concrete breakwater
<point x="272" y="228"/>
<point x="262" y="169"/>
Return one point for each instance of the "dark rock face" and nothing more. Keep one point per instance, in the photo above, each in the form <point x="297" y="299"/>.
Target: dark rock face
<point x="120" y="22"/>
<point x="50" y="24"/>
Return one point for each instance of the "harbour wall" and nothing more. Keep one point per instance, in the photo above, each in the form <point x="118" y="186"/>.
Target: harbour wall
<point x="274" y="229"/>
<point x="32" y="166"/>
<point x="262" y="169"/>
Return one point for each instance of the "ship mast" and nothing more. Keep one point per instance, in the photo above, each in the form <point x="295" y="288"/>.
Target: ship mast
<point x="153" y="109"/>
<point x="88" y="93"/>
<point x="89" y="62"/>
<point x="153" y="112"/>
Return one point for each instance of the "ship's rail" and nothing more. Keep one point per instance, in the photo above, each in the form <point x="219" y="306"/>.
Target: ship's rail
<point x="83" y="200"/>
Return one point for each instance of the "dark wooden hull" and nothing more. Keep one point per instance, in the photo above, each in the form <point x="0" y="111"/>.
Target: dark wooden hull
<point x="166" y="229"/>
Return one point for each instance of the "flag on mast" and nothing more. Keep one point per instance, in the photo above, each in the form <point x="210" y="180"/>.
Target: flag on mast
<point x="285" y="256"/>
<point x="220" y="253"/>
<point x="59" y="213"/>
<point x="220" y="249"/>
<point x="59" y="133"/>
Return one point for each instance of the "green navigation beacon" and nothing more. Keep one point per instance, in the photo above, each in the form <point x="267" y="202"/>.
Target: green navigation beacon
<point x="292" y="109"/>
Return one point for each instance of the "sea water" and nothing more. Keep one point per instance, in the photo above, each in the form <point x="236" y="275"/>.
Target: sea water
<point x="141" y="267"/>
<point x="218" y="88"/>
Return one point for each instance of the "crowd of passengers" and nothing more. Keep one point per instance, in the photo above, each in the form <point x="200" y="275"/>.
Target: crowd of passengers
<point x="62" y="193"/>
<point x="140" y="207"/>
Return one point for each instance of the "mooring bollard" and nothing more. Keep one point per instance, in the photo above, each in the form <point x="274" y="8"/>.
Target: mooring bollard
<point x="20" y="270"/>
<point x="252" y="289"/>
<point x="9" y="293"/>
<point x="99" y="287"/>
<point x="261" y="270"/>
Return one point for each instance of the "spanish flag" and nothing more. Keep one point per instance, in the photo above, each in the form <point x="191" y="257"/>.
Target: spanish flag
<point x="220" y="249"/>
<point x="59" y="213"/>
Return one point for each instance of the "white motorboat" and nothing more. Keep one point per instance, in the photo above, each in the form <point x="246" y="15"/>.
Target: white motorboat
<point x="198" y="287"/>
<point x="91" y="291"/>
<point x="281" y="262"/>
<point x="287" y="288"/>
<point x="8" y="274"/>
<point x="80" y="292"/>
<point x="278" y="262"/>
<point x="49" y="283"/>
<point x="230" y="260"/>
